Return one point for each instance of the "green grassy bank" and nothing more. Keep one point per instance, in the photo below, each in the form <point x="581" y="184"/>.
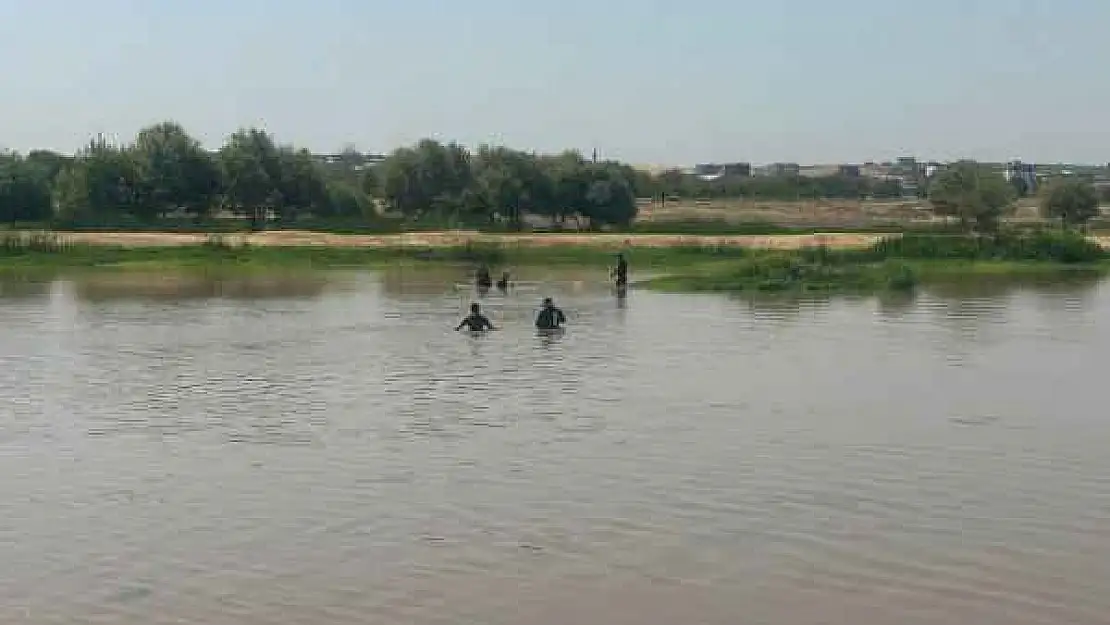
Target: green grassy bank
<point x="895" y="264"/>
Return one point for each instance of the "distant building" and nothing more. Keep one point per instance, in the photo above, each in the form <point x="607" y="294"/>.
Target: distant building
<point x="819" y="171"/>
<point x="713" y="171"/>
<point x="739" y="170"/>
<point x="355" y="160"/>
<point x="928" y="170"/>
<point x="781" y="169"/>
<point x="1027" y="172"/>
<point x="848" y="171"/>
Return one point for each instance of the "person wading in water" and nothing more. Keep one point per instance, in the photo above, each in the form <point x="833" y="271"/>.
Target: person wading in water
<point x="620" y="272"/>
<point x="550" y="317"/>
<point x="482" y="278"/>
<point x="475" y="321"/>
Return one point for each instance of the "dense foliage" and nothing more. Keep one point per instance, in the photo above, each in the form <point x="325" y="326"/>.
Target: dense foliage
<point x="1072" y="201"/>
<point x="165" y="173"/>
<point x="976" y="197"/>
<point x="165" y="178"/>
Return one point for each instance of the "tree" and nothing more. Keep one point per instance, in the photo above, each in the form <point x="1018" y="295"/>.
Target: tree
<point x="25" y="190"/>
<point x="300" y="184"/>
<point x="610" y="202"/>
<point x="101" y="181"/>
<point x="174" y="172"/>
<point x="976" y="197"/>
<point x="568" y="185"/>
<point x="887" y="189"/>
<point x="428" y="177"/>
<point x="50" y="163"/>
<point x="508" y="183"/>
<point x="1073" y="202"/>
<point x="346" y="201"/>
<point x="249" y="162"/>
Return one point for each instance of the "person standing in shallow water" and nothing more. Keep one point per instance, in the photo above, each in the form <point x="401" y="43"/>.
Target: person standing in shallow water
<point x="482" y="278"/>
<point x="475" y="321"/>
<point x="550" y="317"/>
<point x="621" y="271"/>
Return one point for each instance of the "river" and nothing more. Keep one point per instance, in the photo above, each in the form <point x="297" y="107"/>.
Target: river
<point x="325" y="449"/>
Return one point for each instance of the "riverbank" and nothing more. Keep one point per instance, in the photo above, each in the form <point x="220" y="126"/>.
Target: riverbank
<point x="897" y="264"/>
<point x="834" y="262"/>
<point x="156" y="250"/>
<point x="460" y="238"/>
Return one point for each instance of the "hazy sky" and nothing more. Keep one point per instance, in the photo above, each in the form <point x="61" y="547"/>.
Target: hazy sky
<point x="646" y="81"/>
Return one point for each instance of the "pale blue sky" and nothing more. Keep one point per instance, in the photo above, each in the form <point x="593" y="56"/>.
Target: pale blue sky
<point x="646" y="81"/>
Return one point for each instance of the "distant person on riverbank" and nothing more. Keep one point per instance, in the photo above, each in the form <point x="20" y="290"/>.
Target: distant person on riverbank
<point x="482" y="279"/>
<point x="503" y="282"/>
<point x="475" y="321"/>
<point x="550" y="317"/>
<point x="621" y="271"/>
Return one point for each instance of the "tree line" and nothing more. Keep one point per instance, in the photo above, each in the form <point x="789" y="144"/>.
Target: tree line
<point x="167" y="173"/>
<point x="164" y="173"/>
<point x="980" y="198"/>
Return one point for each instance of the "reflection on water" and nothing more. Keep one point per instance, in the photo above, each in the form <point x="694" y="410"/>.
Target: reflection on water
<point x="175" y="286"/>
<point x="16" y="288"/>
<point x="326" y="449"/>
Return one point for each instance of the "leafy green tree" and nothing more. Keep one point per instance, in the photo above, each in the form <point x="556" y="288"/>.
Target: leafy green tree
<point x="509" y="184"/>
<point x="25" y="190"/>
<point x="978" y="198"/>
<point x="427" y="178"/>
<point x="886" y="189"/>
<point x="610" y="201"/>
<point x="49" y="162"/>
<point x="1072" y="201"/>
<point x="174" y="172"/>
<point x="249" y="162"/>
<point x="346" y="201"/>
<point x="101" y="182"/>
<point x="301" y="186"/>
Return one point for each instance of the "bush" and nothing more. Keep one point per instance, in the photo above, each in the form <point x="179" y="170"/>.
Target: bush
<point x="22" y="243"/>
<point x="1044" y="245"/>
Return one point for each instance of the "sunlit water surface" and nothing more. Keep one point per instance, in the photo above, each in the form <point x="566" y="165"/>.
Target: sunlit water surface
<point x="325" y="449"/>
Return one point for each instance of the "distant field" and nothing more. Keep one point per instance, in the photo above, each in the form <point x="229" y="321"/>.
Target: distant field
<point x="824" y="213"/>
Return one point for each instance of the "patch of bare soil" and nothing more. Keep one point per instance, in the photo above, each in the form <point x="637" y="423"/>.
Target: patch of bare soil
<point x="303" y="238"/>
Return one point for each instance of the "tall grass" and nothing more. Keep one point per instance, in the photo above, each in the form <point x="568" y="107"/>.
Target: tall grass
<point x="1041" y="245"/>
<point x="26" y="243"/>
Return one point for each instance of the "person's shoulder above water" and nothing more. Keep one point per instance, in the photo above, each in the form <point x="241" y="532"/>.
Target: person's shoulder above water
<point x="475" y="321"/>
<point x="550" y="316"/>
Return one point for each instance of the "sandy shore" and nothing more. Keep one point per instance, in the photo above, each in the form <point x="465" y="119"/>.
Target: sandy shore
<point x="305" y="238"/>
<point x="299" y="238"/>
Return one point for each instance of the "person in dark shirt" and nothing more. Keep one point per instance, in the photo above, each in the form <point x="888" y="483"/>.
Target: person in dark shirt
<point x="475" y="321"/>
<point x="503" y="282"/>
<point x="550" y="317"/>
<point x="621" y="271"/>
<point x="482" y="279"/>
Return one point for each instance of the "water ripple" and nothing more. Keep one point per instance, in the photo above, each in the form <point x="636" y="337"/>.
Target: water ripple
<point x="253" y="454"/>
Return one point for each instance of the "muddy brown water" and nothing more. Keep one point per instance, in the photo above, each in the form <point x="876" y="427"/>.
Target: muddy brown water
<point x="324" y="449"/>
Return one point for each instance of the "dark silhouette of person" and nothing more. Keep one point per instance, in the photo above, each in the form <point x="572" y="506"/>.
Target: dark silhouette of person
<point x="550" y="317"/>
<point x="503" y="282"/>
<point x="621" y="271"/>
<point x="482" y="278"/>
<point x="475" y="321"/>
